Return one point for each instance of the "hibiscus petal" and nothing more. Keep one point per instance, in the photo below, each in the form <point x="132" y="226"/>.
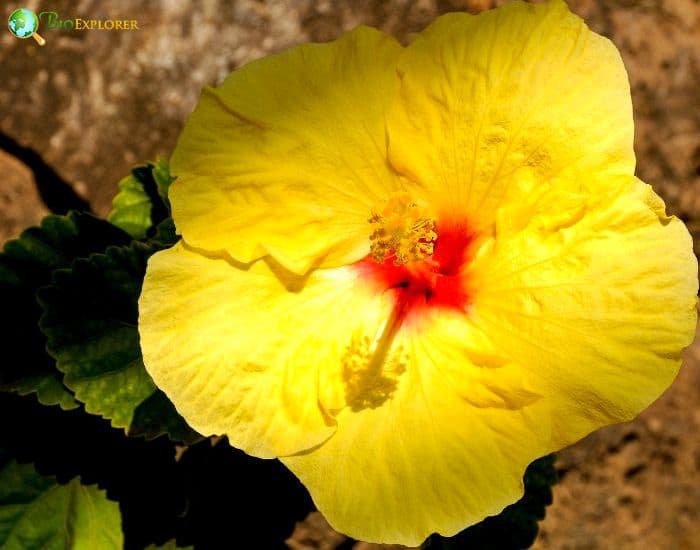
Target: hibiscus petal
<point x="593" y="289"/>
<point x="441" y="454"/>
<point x="493" y="105"/>
<point x="252" y="351"/>
<point x="288" y="156"/>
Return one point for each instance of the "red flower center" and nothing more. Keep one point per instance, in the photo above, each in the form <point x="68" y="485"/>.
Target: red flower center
<point x="436" y="281"/>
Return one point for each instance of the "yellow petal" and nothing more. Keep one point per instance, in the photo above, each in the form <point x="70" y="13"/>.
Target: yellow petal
<point x="253" y="352"/>
<point x="288" y="156"/>
<point x="429" y="459"/>
<point x="493" y="105"/>
<point x="593" y="290"/>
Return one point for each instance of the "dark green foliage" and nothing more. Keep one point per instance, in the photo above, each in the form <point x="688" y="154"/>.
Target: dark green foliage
<point x="164" y="235"/>
<point x="91" y="324"/>
<point x="156" y="415"/>
<point x="214" y="497"/>
<point x="37" y="513"/>
<point x="139" y="474"/>
<point x="27" y="264"/>
<point x="263" y="499"/>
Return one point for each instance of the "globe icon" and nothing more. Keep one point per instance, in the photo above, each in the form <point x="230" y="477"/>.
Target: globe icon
<point x="24" y="23"/>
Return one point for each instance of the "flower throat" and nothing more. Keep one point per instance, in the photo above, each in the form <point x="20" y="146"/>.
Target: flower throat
<point x="419" y="259"/>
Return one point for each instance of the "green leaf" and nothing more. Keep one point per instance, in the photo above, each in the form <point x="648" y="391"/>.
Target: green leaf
<point x="91" y="324"/>
<point x="142" y="201"/>
<point x="26" y="264"/>
<point x="165" y="235"/>
<point x="141" y="475"/>
<point x="37" y="513"/>
<point x="131" y="208"/>
<point x="161" y="498"/>
<point x="161" y="173"/>
<point x="514" y="528"/>
<point x="49" y="389"/>
<point x="157" y="415"/>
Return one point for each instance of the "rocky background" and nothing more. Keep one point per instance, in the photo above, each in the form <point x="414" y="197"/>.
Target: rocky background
<point x="92" y="104"/>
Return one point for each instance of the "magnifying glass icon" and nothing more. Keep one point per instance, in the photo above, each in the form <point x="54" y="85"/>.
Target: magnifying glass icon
<point x="24" y="23"/>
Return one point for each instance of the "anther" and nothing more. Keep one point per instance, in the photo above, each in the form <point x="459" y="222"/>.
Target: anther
<point x="401" y="231"/>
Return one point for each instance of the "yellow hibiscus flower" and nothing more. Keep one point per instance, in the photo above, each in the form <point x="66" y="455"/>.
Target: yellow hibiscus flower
<point x="409" y="272"/>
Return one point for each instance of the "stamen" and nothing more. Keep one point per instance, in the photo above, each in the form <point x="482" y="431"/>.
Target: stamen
<point x="401" y="230"/>
<point x="371" y="367"/>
